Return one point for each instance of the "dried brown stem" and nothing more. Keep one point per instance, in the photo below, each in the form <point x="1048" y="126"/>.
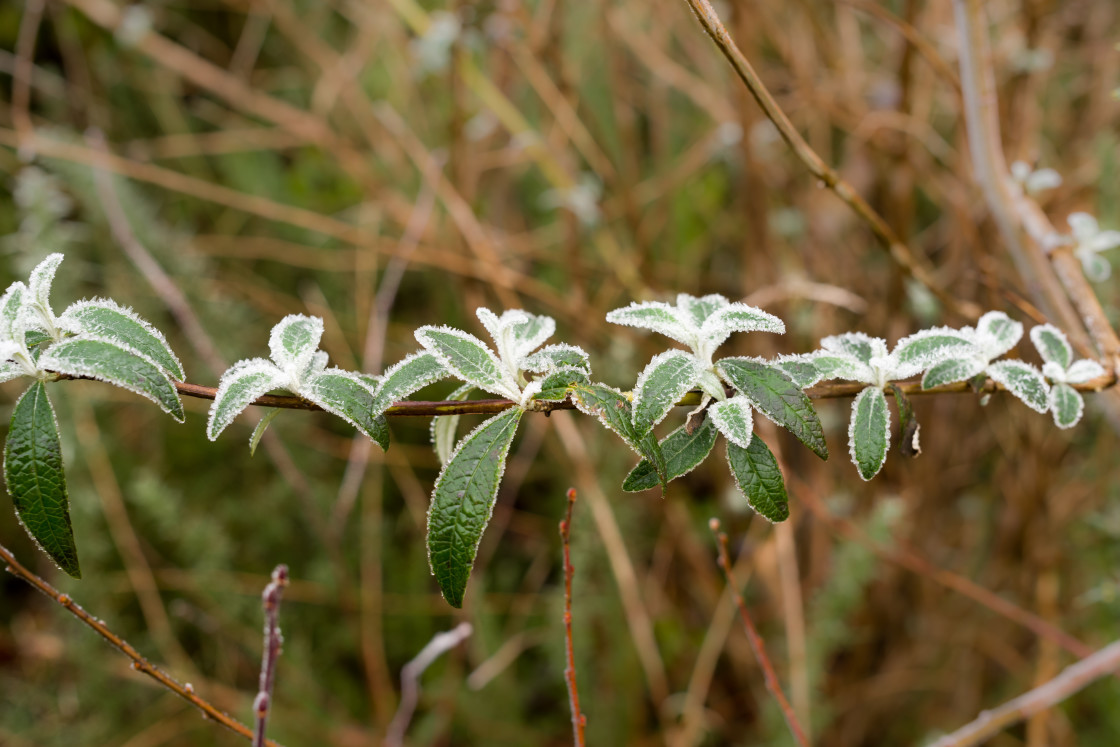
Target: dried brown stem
<point x="579" y="721"/>
<point x="910" y="263"/>
<point x="1073" y="678"/>
<point x="772" y="683"/>
<point x="139" y="663"/>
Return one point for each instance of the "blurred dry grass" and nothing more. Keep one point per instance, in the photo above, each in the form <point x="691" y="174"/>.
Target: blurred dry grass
<point x="288" y="156"/>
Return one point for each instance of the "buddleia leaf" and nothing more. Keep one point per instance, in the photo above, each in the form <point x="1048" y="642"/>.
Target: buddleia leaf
<point x="409" y="375"/>
<point x="262" y="426"/>
<point x="932" y="346"/>
<point x="463" y="501"/>
<point x="1082" y="371"/>
<point x="1066" y="405"/>
<point x="951" y="371"/>
<point x="555" y="386"/>
<point x="658" y="317"/>
<point x="700" y="309"/>
<point x="800" y="369"/>
<point x="443" y="427"/>
<point x="760" y="479"/>
<point x="343" y="394"/>
<point x="738" y="317"/>
<point x="1052" y="345"/>
<point x="10" y="304"/>
<point x="612" y="409"/>
<point x="683" y="452"/>
<point x="468" y="358"/>
<point x="530" y="334"/>
<point x="36" y="482"/>
<point x="242" y="383"/>
<point x="42" y="277"/>
<point x="856" y="344"/>
<point x="869" y="432"/>
<point x="10" y="370"/>
<point x="734" y="420"/>
<point x="663" y="382"/>
<point x="116" y="364"/>
<point x="776" y="396"/>
<point x="998" y="333"/>
<point x="1024" y="381"/>
<point x="105" y="319"/>
<point x="295" y="340"/>
<point x="556" y="356"/>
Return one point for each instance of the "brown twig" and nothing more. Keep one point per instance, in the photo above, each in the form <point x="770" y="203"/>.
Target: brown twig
<point x="910" y="263"/>
<point x="1073" y="678"/>
<point x="139" y="663"/>
<point x="772" y="683"/>
<point x="270" y="600"/>
<point x="579" y="721"/>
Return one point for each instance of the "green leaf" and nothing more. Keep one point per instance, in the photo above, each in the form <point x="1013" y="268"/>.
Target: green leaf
<point x="951" y="371"/>
<point x="1066" y="405"/>
<point x="10" y="304"/>
<point x="343" y="394"/>
<point x="407" y="376"/>
<point x="294" y="341"/>
<point x="932" y="346"/>
<point x="612" y="409"/>
<point x="104" y="319"/>
<point x="1052" y="345"/>
<point x="443" y="427"/>
<point x="1024" y="381"/>
<point x="557" y="356"/>
<point x="683" y="452"/>
<point x="658" y="317"/>
<point x="34" y="473"/>
<point x="468" y="358"/>
<point x="262" y="426"/>
<point x="463" y="501"/>
<point x="801" y="370"/>
<point x="909" y="443"/>
<point x="856" y="344"/>
<point x="776" y="396"/>
<point x="556" y="385"/>
<point x="699" y="309"/>
<point x="41" y="279"/>
<point x="242" y="383"/>
<point x="869" y="432"/>
<point x="734" y="420"/>
<point x="116" y="364"/>
<point x="664" y="381"/>
<point x="757" y="474"/>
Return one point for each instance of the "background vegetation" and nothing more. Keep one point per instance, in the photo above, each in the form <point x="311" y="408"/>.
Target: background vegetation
<point x="302" y="157"/>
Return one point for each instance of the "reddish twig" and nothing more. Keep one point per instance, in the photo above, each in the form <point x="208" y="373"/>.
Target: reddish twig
<point x="755" y="639"/>
<point x="270" y="600"/>
<point x="139" y="663"/>
<point x="579" y="721"/>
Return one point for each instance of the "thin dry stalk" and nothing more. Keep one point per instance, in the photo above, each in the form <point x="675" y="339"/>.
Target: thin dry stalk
<point x="410" y="679"/>
<point x="139" y="663"/>
<point x="1073" y="678"/>
<point x="771" y="678"/>
<point x="579" y="721"/>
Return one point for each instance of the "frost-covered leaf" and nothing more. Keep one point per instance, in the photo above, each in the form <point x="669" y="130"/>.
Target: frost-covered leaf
<point x="997" y="333"/>
<point x="443" y="427"/>
<point x="295" y="340"/>
<point x="759" y="478"/>
<point x="682" y="450"/>
<point x="1024" y="381"/>
<point x="463" y="501"/>
<point x="468" y="358"/>
<point x="613" y="410"/>
<point x="556" y="356"/>
<point x="1083" y="370"/>
<point x="663" y="382"/>
<point x="777" y="397"/>
<point x="951" y="371"/>
<point x="832" y="366"/>
<point x="42" y="277"/>
<point x="1052" y="345"/>
<point x="242" y="383"/>
<point x="869" y="432"/>
<point x="408" y="375"/>
<point x="800" y="369"/>
<point x="1096" y="267"/>
<point x="555" y="386"/>
<point x="343" y="394"/>
<point x="658" y="317"/>
<point x="738" y="317"/>
<point x="10" y="304"/>
<point x="36" y="481"/>
<point x="931" y="346"/>
<point x="10" y="370"/>
<point x="117" y="364"/>
<point x="33" y="337"/>
<point x="1066" y="405"/>
<point x="530" y="334"/>
<point x="734" y="419"/>
<point x="711" y="384"/>
<point x="699" y="309"/>
<point x="105" y="319"/>
<point x="262" y="426"/>
<point x="856" y="344"/>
